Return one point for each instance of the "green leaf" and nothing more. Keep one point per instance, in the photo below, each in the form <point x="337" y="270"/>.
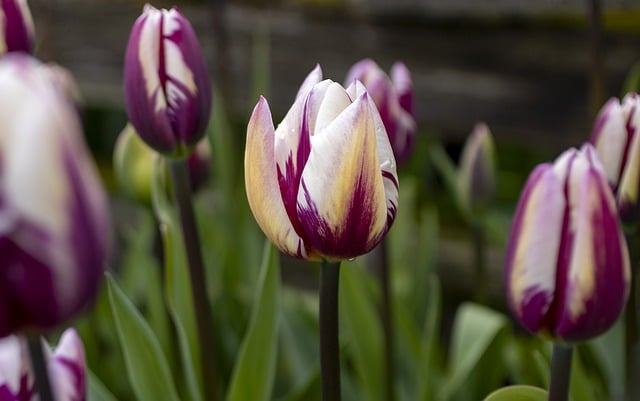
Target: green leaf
<point x="449" y="173"/>
<point x="518" y="393"/>
<point x="146" y="365"/>
<point x="96" y="389"/>
<point x="609" y="349"/>
<point x="429" y="343"/>
<point x="254" y="371"/>
<point x="177" y="283"/>
<point x="359" y="318"/>
<point x="474" y="330"/>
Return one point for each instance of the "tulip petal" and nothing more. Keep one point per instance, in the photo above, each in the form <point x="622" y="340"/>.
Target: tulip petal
<point x="261" y="182"/>
<point x="629" y="185"/>
<point x="609" y="137"/>
<point x="13" y="369"/>
<point x="313" y="78"/>
<point x="16" y="26"/>
<point x="597" y="285"/>
<point x="342" y="201"/>
<point x="67" y="368"/>
<point x="401" y="78"/>
<point x="532" y="251"/>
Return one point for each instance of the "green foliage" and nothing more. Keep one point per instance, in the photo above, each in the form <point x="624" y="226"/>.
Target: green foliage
<point x="518" y="393"/>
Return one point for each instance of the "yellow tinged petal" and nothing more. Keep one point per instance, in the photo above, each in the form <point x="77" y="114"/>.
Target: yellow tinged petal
<point x="261" y="182"/>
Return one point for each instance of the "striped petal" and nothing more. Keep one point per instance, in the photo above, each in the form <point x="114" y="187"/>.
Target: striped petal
<point x="16" y="27"/>
<point x="342" y="201"/>
<point x="628" y="193"/>
<point x="262" y="186"/>
<point x="401" y="78"/>
<point x="609" y="137"/>
<point x="67" y="368"/>
<point x="598" y="278"/>
<point x="533" y="248"/>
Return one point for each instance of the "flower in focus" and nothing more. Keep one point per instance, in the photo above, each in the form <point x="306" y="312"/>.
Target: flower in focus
<point x="54" y="225"/>
<point x="16" y="27"/>
<point x="66" y="366"/>
<point x="134" y="161"/>
<point x="166" y="84"/>
<point x="477" y="168"/>
<point x="394" y="99"/>
<point x="324" y="183"/>
<point x="567" y="266"/>
<point x="615" y="137"/>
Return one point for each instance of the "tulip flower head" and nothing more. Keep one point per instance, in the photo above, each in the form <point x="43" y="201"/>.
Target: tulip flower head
<point x="54" y="224"/>
<point x="567" y="266"/>
<point x="324" y="183"/>
<point x="615" y="137"/>
<point x="477" y="168"/>
<point x="66" y="367"/>
<point x="394" y="100"/>
<point x="16" y="27"/>
<point x="166" y="84"/>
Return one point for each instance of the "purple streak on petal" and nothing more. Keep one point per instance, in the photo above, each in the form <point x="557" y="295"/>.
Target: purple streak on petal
<point x="18" y="35"/>
<point x="631" y="132"/>
<point x="611" y="264"/>
<point x="602" y="118"/>
<point x="530" y="314"/>
<point x="392" y="209"/>
<point x="401" y="78"/>
<point x="78" y="376"/>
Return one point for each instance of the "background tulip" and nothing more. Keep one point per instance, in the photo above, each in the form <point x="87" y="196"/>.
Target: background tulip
<point x="567" y="267"/>
<point x="323" y="184"/>
<point x="16" y="27"/>
<point x="477" y="168"/>
<point x="166" y="85"/>
<point x="66" y="366"/>
<point x="394" y="99"/>
<point x="615" y="137"/>
<point x="54" y="224"/>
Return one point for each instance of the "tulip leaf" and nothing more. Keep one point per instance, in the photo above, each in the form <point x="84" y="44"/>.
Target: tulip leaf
<point x="96" y="390"/>
<point x="518" y="393"/>
<point x="146" y="365"/>
<point x="429" y="343"/>
<point x="362" y="328"/>
<point x="449" y="173"/>
<point x="474" y="330"/>
<point x="254" y="372"/>
<point x="178" y="285"/>
<point x="609" y="349"/>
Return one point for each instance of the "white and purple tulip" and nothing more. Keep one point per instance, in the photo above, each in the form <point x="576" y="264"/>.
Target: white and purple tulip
<point x="394" y="99"/>
<point x="476" y="177"/>
<point x="66" y="367"/>
<point x="166" y="83"/>
<point x="616" y="139"/>
<point x="16" y="27"/>
<point x="54" y="223"/>
<point x="567" y="266"/>
<point x="324" y="183"/>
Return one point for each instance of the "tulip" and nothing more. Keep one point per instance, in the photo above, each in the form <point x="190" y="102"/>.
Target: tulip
<point x="134" y="161"/>
<point x="477" y="168"/>
<point x="323" y="185"/>
<point x="66" y="367"/>
<point x="615" y="137"/>
<point x="567" y="265"/>
<point x="54" y="221"/>
<point x="167" y="89"/>
<point x="394" y="99"/>
<point x="16" y="27"/>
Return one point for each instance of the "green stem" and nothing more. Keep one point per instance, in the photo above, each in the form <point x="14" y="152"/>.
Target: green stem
<point x="480" y="257"/>
<point x="386" y="316"/>
<point x="40" y="371"/>
<point x="203" y="311"/>
<point x="329" y="344"/>
<point x="632" y="360"/>
<point x="560" y="372"/>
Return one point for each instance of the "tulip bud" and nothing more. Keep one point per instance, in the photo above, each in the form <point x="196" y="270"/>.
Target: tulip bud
<point x="476" y="176"/>
<point x="54" y="221"/>
<point x="16" y="27"/>
<point x="567" y="265"/>
<point x="394" y="100"/>
<point x="66" y="367"/>
<point x="324" y="183"/>
<point x="615" y="137"/>
<point x="167" y="88"/>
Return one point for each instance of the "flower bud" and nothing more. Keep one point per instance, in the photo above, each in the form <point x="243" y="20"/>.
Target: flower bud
<point x="167" y="88"/>
<point x="615" y="137"/>
<point x="66" y="367"/>
<point x="394" y="100"/>
<point x="54" y="224"/>
<point x="16" y="27"/>
<point x="476" y="176"/>
<point x="567" y="266"/>
<point x="324" y="183"/>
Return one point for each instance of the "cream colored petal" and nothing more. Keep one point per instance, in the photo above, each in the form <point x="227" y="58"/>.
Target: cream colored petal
<point x="261" y="182"/>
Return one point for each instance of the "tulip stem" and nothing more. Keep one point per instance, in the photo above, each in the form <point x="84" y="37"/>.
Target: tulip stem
<point x="560" y="372"/>
<point x="201" y="304"/>
<point x="39" y="366"/>
<point x="329" y="344"/>
<point x="381" y="265"/>
<point x="479" y="250"/>
<point x="632" y="347"/>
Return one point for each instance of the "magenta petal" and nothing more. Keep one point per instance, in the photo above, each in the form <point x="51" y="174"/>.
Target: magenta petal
<point x="18" y="26"/>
